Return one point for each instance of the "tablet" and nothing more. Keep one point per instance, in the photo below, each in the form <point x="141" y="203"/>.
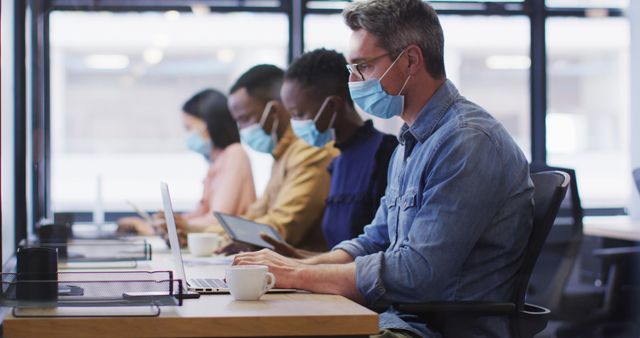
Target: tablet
<point x="246" y="231"/>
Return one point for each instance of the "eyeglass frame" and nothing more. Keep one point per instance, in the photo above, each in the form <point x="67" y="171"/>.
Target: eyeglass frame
<point x="354" y="66"/>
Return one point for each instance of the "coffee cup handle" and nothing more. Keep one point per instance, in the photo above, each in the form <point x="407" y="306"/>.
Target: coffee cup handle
<point x="271" y="284"/>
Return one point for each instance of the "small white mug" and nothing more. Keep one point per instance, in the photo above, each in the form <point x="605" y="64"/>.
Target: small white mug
<point x="249" y="282"/>
<point x="203" y="243"/>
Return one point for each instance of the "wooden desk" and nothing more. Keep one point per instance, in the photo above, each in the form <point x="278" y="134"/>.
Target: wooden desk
<point x="618" y="227"/>
<point x="295" y="314"/>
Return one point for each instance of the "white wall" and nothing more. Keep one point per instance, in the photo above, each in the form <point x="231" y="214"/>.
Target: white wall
<point x="6" y="124"/>
<point x="634" y="21"/>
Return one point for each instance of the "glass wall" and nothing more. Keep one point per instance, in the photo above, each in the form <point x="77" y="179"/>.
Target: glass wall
<point x="118" y="81"/>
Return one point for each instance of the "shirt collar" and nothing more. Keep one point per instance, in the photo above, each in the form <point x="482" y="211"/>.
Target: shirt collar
<point x="283" y="144"/>
<point x="431" y="113"/>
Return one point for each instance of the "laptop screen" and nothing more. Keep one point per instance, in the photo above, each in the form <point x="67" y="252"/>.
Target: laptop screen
<point x="173" y="233"/>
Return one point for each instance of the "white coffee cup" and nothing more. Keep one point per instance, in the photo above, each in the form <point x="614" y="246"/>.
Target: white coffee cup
<point x="249" y="282"/>
<point x="203" y="243"/>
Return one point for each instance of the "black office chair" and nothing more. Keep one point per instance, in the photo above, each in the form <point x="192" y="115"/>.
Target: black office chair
<point x="526" y="319"/>
<point x="561" y="250"/>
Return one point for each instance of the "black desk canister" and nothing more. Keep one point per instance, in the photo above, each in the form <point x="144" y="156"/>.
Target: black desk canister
<point x="37" y="274"/>
<point x="55" y="235"/>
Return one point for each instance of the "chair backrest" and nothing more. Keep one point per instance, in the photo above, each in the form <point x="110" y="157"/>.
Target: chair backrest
<point x="550" y="190"/>
<point x="636" y="177"/>
<point x="561" y="250"/>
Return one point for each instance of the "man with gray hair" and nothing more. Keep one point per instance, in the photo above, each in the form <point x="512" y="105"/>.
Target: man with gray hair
<point x="458" y="209"/>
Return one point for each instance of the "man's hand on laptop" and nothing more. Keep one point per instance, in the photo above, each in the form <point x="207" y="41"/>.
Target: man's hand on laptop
<point x="284" y="268"/>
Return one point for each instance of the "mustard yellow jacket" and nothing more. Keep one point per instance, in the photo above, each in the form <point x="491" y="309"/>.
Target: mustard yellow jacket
<point x="294" y="199"/>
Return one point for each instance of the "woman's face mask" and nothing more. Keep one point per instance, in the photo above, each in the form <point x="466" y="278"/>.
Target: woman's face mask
<point x="196" y="142"/>
<point x="308" y="131"/>
<point x="256" y="138"/>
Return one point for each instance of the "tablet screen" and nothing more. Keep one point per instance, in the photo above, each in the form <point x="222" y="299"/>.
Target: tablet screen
<point x="246" y="231"/>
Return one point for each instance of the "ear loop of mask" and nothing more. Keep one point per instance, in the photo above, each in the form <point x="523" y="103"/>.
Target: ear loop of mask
<point x="324" y="105"/>
<point x="274" y="126"/>
<point x="265" y="113"/>
<point x="393" y="63"/>
<point x="404" y="85"/>
<point x="274" y="131"/>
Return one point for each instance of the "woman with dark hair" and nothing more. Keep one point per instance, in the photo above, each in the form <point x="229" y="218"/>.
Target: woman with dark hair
<point x="228" y="186"/>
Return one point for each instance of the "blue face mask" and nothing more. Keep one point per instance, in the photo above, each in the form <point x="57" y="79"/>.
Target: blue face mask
<point x="199" y="145"/>
<point x="308" y="132"/>
<point x="371" y="97"/>
<point x="256" y="138"/>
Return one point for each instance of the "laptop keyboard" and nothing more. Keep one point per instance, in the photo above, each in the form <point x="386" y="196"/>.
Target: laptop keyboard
<point x="209" y="282"/>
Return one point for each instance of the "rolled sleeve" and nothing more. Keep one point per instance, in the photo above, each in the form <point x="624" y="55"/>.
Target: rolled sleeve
<point x="369" y="271"/>
<point x="352" y="247"/>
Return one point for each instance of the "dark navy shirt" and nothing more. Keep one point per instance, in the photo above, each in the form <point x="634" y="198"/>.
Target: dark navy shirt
<point x="358" y="181"/>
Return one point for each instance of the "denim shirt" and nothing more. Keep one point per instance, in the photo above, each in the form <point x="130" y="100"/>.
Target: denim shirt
<point x="455" y="218"/>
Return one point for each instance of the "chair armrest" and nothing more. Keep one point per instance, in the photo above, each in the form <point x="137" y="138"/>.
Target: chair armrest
<point x="613" y="254"/>
<point x="488" y="308"/>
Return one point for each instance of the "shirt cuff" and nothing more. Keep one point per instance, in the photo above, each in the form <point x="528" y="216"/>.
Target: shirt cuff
<point x="369" y="271"/>
<point x="352" y="247"/>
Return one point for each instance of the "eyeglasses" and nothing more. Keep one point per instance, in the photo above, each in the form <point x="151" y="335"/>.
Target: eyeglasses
<point x="359" y="67"/>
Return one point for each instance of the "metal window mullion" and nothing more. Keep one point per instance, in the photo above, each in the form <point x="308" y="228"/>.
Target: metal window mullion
<point x="20" y="100"/>
<point x="39" y="110"/>
<point x="296" y="14"/>
<point x="538" y="81"/>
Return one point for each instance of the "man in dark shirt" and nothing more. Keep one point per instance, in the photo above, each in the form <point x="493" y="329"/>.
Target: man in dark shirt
<point x="315" y="93"/>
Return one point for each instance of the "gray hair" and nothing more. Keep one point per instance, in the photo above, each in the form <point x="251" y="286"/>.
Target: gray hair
<point x="398" y="24"/>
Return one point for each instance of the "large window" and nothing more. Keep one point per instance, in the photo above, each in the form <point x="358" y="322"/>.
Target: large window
<point x="118" y="81"/>
<point x="588" y="112"/>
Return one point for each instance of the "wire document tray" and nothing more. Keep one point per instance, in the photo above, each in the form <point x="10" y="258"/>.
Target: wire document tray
<point x="92" y="294"/>
<point x="103" y="251"/>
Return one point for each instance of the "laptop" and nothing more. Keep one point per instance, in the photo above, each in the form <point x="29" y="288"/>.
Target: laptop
<point x="199" y="285"/>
